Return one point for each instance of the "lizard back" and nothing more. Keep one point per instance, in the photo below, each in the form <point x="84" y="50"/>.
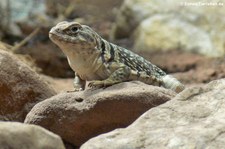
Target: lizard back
<point x="129" y="58"/>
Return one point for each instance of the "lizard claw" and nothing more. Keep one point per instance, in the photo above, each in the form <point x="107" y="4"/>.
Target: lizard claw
<point x="78" y="89"/>
<point x="95" y="84"/>
<point x="75" y="90"/>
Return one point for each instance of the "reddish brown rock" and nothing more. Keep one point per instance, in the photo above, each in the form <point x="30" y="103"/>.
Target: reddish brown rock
<point x="20" y="88"/>
<point x="79" y="116"/>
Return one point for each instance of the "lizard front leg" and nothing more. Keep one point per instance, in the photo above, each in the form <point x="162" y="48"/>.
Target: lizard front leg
<point x="120" y="75"/>
<point x="78" y="83"/>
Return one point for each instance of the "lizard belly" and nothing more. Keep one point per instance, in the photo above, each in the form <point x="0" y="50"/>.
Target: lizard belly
<point x="86" y="69"/>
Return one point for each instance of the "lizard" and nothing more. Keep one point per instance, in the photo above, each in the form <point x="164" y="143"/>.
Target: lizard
<point x="103" y="63"/>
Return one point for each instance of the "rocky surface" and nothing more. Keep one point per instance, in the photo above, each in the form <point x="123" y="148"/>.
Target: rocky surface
<point x="16" y="135"/>
<point x="189" y="68"/>
<point x="176" y="32"/>
<point x="20" y="88"/>
<point x="79" y="116"/>
<point x="5" y="46"/>
<point x="193" y="119"/>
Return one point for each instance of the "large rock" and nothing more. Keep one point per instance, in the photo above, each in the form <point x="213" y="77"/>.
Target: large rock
<point x="23" y="136"/>
<point x="198" y="19"/>
<point x="20" y="88"/>
<point x="79" y="116"/>
<point x="193" y="119"/>
<point x="163" y="32"/>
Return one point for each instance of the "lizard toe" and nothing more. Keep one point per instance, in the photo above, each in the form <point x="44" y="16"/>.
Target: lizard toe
<point x="96" y="84"/>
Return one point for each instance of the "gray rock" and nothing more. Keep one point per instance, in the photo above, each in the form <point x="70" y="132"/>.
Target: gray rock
<point x="201" y="18"/>
<point x="79" y="116"/>
<point x="20" y="88"/>
<point x="16" y="135"/>
<point x="163" y="33"/>
<point x="193" y="119"/>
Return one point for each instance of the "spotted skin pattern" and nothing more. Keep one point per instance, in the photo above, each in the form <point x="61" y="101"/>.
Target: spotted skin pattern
<point x="103" y="63"/>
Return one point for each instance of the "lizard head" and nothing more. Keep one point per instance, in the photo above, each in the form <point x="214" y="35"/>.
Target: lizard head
<point x="72" y="35"/>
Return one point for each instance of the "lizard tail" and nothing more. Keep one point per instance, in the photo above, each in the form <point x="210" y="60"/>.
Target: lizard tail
<point x="172" y="83"/>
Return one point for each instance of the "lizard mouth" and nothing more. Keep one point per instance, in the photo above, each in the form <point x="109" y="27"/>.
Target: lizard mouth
<point x="53" y="34"/>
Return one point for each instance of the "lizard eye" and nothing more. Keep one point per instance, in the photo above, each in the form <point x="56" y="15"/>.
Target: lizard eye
<point x="74" y="29"/>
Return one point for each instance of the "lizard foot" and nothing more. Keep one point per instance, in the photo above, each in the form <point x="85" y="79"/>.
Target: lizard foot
<point x="75" y="90"/>
<point x="96" y="84"/>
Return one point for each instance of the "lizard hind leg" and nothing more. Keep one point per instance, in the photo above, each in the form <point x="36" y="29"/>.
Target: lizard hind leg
<point x="143" y="77"/>
<point x="120" y="75"/>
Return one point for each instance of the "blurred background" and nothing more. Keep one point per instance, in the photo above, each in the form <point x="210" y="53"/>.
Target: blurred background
<point x="185" y="38"/>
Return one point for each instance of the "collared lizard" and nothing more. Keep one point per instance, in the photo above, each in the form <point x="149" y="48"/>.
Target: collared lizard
<point x="103" y="63"/>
